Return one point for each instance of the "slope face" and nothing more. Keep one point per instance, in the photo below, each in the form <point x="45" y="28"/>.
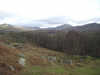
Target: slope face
<point x="92" y="27"/>
<point x="8" y="61"/>
<point x="65" y="26"/>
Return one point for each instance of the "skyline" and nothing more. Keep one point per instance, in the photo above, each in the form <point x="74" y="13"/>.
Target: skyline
<point x="48" y="13"/>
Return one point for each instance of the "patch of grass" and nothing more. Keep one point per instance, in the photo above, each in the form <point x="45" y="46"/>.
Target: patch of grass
<point x="90" y="66"/>
<point x="85" y="71"/>
<point x="57" y="69"/>
<point x="40" y="70"/>
<point x="88" y="69"/>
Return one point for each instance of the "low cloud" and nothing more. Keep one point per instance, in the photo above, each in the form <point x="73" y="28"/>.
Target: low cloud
<point x="48" y="22"/>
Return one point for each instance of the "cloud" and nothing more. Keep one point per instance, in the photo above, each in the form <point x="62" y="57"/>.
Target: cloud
<point x="40" y="9"/>
<point x="56" y="20"/>
<point x="5" y="14"/>
<point x="47" y="22"/>
<point x="5" y="17"/>
<point x="49" y="12"/>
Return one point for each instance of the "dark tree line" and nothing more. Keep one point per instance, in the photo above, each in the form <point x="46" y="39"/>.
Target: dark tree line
<point x="72" y="42"/>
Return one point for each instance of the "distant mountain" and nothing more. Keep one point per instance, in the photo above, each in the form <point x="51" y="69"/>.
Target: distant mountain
<point x="31" y="28"/>
<point x="4" y="26"/>
<point x="91" y="27"/>
<point x="63" y="27"/>
<point x="88" y="27"/>
<point x="9" y="27"/>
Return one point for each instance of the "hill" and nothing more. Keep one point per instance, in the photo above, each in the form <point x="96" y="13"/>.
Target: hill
<point x="92" y="27"/>
<point x="15" y="28"/>
<point x="8" y="59"/>
<point x="63" y="27"/>
<point x="50" y="52"/>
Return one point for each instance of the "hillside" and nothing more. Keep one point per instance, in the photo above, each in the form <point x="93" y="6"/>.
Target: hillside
<point x="15" y="28"/>
<point x="50" y="52"/>
<point x="63" y="27"/>
<point x="43" y="61"/>
<point x="92" y="27"/>
<point x="8" y="61"/>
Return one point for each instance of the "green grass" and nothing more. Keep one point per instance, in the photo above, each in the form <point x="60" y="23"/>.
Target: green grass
<point x="40" y="70"/>
<point x="86" y="71"/>
<point x="57" y="69"/>
<point x="89" y="66"/>
<point x="92" y="68"/>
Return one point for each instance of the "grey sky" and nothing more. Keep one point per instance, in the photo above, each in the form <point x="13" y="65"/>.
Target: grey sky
<point x="49" y="12"/>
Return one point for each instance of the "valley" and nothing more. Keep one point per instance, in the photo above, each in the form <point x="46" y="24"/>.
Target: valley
<point x="70" y="51"/>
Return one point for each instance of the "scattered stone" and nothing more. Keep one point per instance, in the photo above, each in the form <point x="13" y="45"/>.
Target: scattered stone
<point x="52" y="58"/>
<point x="22" y="61"/>
<point x="12" y="68"/>
<point x="18" y="45"/>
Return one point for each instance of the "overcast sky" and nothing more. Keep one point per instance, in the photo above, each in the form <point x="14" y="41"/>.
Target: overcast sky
<point x="48" y="12"/>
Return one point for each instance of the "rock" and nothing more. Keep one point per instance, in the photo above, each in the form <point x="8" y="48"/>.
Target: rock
<point x="52" y="58"/>
<point x="18" y="45"/>
<point x="22" y="61"/>
<point x="12" y="68"/>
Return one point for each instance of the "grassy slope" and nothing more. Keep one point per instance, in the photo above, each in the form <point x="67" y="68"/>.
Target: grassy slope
<point x="8" y="58"/>
<point x="88" y="69"/>
<point x="36" y="66"/>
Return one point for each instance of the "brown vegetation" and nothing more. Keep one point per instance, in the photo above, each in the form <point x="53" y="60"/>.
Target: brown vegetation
<point x="8" y="61"/>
